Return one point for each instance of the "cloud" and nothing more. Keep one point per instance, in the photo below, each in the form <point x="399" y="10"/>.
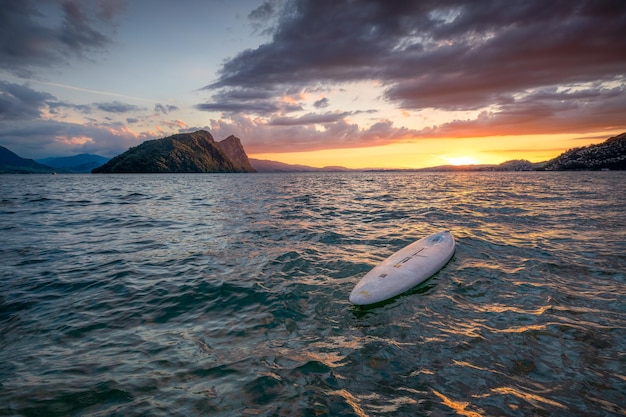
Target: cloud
<point x="175" y="124"/>
<point x="321" y="103"/>
<point x="545" y="111"/>
<point x="452" y="56"/>
<point x="116" y="107"/>
<point x="261" y="137"/>
<point x="308" y="119"/>
<point x="238" y="100"/>
<point x="27" y="128"/>
<point x="54" y="106"/>
<point x="36" y="124"/>
<point x="165" y="109"/>
<point x="258" y="107"/>
<point x="30" y="40"/>
<point x="77" y="31"/>
<point x="43" y="138"/>
<point x="20" y="102"/>
<point x="262" y="14"/>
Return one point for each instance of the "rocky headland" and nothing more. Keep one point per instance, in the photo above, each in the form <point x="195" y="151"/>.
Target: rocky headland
<point x="182" y="153"/>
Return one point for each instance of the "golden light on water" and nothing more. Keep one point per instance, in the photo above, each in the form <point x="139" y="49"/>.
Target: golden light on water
<point x="531" y="398"/>
<point x="351" y="400"/>
<point x="458" y="406"/>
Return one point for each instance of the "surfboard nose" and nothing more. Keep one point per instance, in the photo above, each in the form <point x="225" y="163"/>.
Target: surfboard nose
<point x="359" y="297"/>
<point x="440" y="237"/>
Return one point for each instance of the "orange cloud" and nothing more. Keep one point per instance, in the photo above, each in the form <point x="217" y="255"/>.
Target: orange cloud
<point x="74" y="140"/>
<point x="176" y="124"/>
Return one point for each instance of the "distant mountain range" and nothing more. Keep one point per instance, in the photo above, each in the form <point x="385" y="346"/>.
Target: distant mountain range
<point x="185" y="152"/>
<point x="75" y="164"/>
<point x="11" y="163"/>
<point x="199" y="152"/>
<point x="264" y="165"/>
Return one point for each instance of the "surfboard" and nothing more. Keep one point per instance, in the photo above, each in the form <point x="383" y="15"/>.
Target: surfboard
<point x="405" y="269"/>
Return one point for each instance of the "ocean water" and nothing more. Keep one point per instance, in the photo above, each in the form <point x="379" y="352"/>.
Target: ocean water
<point x="227" y="295"/>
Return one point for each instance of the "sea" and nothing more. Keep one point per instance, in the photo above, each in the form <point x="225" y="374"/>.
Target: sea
<point x="227" y="295"/>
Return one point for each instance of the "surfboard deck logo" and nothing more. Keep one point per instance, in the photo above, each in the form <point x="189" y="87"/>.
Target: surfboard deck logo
<point x="405" y="269"/>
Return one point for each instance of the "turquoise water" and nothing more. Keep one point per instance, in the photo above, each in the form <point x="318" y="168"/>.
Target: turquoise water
<point x="227" y="295"/>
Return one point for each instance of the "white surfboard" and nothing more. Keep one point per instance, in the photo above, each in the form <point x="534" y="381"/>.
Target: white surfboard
<point x="405" y="269"/>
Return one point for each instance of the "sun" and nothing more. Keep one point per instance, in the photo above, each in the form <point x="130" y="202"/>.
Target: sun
<point x="461" y="160"/>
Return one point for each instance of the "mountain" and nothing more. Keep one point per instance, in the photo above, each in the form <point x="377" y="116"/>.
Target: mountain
<point x="512" y="165"/>
<point x="77" y="163"/>
<point x="233" y="148"/>
<point x="264" y="165"/>
<point x="610" y="154"/>
<point x="515" y="165"/>
<point x="11" y="163"/>
<point x="185" y="152"/>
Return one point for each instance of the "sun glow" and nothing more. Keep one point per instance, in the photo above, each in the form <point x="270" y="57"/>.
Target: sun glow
<point x="431" y="152"/>
<point x="461" y="160"/>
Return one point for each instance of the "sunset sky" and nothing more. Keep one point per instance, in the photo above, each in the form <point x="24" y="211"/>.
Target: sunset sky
<point x="397" y="84"/>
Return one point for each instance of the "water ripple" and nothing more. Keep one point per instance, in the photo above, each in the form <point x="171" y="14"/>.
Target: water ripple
<point x="227" y="295"/>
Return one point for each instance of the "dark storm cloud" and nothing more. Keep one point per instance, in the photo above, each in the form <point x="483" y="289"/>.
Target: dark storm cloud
<point x="445" y="54"/>
<point x="31" y="39"/>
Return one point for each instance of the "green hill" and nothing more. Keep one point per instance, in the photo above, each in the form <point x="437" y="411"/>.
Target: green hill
<point x="610" y="154"/>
